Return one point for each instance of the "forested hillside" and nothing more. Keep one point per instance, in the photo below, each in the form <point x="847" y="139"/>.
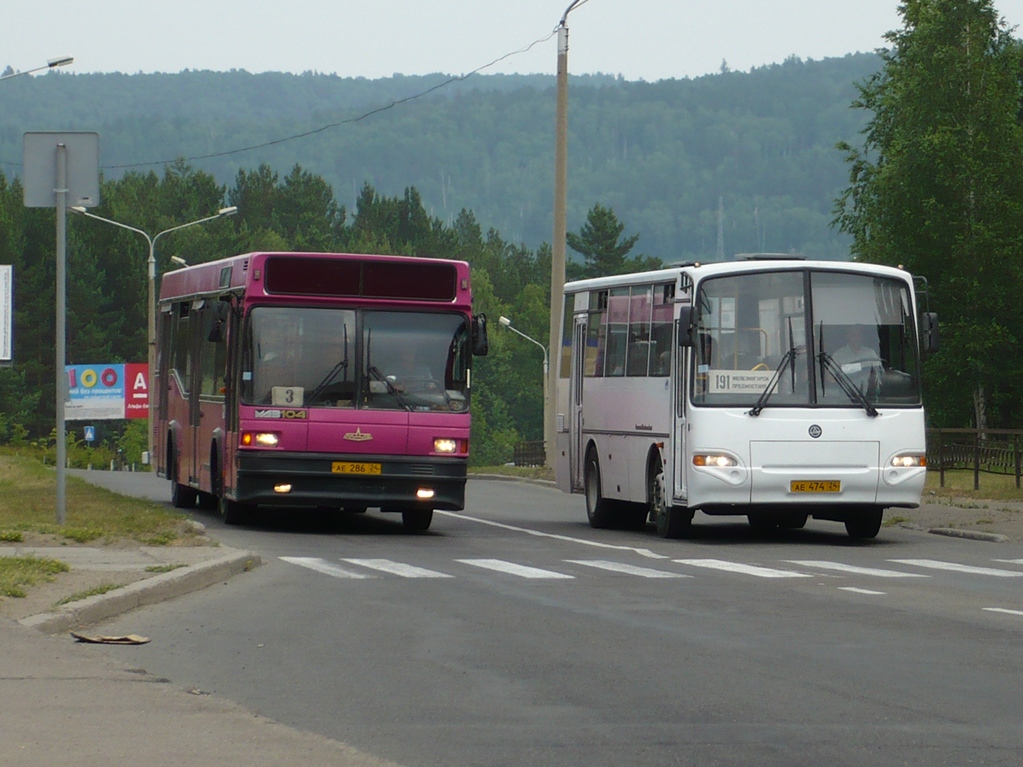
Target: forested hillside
<point x="465" y="171"/>
<point x="751" y="151"/>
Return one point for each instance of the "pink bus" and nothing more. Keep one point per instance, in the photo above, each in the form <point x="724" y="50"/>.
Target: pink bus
<point x="316" y="379"/>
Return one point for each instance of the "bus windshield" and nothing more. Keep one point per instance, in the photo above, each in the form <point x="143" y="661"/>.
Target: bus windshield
<point x="345" y="358"/>
<point x="805" y="338"/>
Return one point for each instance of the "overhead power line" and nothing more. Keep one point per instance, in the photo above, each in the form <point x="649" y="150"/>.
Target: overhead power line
<point x="348" y="121"/>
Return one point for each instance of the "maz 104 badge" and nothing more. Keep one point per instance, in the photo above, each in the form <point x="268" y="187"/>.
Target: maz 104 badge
<point x="287" y="414"/>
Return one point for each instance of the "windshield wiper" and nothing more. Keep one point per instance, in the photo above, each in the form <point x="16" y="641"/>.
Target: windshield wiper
<point x="342" y="364"/>
<point x="376" y="375"/>
<point x="788" y="360"/>
<point x="845" y="383"/>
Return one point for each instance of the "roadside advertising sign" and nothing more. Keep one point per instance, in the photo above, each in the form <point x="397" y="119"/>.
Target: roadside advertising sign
<point x="105" y="392"/>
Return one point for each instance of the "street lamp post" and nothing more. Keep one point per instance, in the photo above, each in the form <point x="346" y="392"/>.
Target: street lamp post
<point x="151" y="340"/>
<point x="560" y="227"/>
<point x="548" y="431"/>
<point x="60" y="61"/>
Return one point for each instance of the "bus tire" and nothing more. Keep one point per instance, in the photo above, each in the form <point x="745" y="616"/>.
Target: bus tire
<point x="417" y="520"/>
<point x="792" y="520"/>
<point x="599" y="510"/>
<point x="864" y="524"/>
<point x="234" y="513"/>
<point x="182" y="496"/>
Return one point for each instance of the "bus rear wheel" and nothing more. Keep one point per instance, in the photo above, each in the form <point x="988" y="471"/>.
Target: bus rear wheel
<point x="599" y="510"/>
<point x="417" y="520"/>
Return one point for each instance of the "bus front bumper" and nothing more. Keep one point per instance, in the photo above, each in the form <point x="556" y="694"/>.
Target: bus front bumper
<point x="395" y="483"/>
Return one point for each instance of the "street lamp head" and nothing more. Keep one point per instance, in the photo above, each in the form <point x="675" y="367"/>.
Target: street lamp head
<point x="77" y="209"/>
<point x="504" y="321"/>
<point x="179" y="260"/>
<point x="60" y="61"/>
<point x="227" y="211"/>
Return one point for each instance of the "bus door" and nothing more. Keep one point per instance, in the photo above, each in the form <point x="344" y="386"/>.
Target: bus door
<point x="576" y="403"/>
<point x="195" y="447"/>
<point x="679" y="420"/>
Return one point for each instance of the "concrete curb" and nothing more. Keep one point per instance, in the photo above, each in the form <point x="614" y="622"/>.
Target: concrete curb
<point x="145" y="592"/>
<point x="973" y="535"/>
<point x="509" y="478"/>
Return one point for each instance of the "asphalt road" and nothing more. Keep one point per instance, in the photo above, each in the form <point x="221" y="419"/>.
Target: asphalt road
<point x="514" y="634"/>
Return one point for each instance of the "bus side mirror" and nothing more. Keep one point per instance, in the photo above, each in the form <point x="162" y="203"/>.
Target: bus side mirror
<point x="480" y="342"/>
<point x="685" y="327"/>
<point x="220" y="310"/>
<point x="929" y="332"/>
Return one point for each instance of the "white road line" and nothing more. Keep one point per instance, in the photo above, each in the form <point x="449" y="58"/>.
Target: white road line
<point x="957" y="568"/>
<point x="735" y="567"/>
<point x="854" y="570"/>
<point x="642" y="552"/>
<point x="1002" y="610"/>
<point x="397" y="568"/>
<point x="1009" y="561"/>
<point x="325" y="567"/>
<point x="512" y="569"/>
<point x="620" y="567"/>
<point x="861" y="591"/>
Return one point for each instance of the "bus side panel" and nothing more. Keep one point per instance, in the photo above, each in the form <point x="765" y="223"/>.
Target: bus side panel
<point x="625" y="417"/>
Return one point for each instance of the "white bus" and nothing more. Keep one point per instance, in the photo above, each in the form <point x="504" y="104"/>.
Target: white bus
<point x="778" y="389"/>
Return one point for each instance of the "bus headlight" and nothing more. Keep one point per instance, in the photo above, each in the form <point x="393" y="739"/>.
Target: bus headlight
<point x="448" y="445"/>
<point x="260" y="439"/>
<point x="909" y="460"/>
<point x="714" y="460"/>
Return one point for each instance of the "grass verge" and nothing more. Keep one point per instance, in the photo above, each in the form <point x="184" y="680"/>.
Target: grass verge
<point x="959" y="484"/>
<point x="18" y="573"/>
<point x="28" y="492"/>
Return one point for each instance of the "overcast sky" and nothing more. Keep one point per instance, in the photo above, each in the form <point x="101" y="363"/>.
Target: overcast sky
<point x="638" y="39"/>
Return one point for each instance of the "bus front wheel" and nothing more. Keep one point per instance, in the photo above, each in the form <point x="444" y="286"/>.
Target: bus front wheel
<point x="234" y="513"/>
<point x="864" y="524"/>
<point x="417" y="520"/>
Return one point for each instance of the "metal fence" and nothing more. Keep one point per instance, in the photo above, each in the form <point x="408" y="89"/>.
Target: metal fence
<point x="530" y="454"/>
<point x="989" y="451"/>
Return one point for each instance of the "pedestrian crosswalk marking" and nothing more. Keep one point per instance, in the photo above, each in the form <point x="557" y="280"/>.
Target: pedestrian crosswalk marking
<point x="397" y="568"/>
<point x="952" y="566"/>
<point x="403" y="570"/>
<point x="511" y="568"/>
<point x="621" y="567"/>
<point x="735" y="567"/>
<point x="854" y="570"/>
<point x="322" y="566"/>
<point x="855" y="590"/>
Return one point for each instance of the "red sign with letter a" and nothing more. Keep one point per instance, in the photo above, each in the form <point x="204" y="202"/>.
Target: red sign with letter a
<point x="136" y="390"/>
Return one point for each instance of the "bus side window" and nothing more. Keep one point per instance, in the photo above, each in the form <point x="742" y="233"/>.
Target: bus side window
<point x="181" y="339"/>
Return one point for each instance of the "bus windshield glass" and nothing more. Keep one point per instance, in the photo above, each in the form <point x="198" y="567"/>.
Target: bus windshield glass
<point x="344" y="358"/>
<point x="805" y="338"/>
